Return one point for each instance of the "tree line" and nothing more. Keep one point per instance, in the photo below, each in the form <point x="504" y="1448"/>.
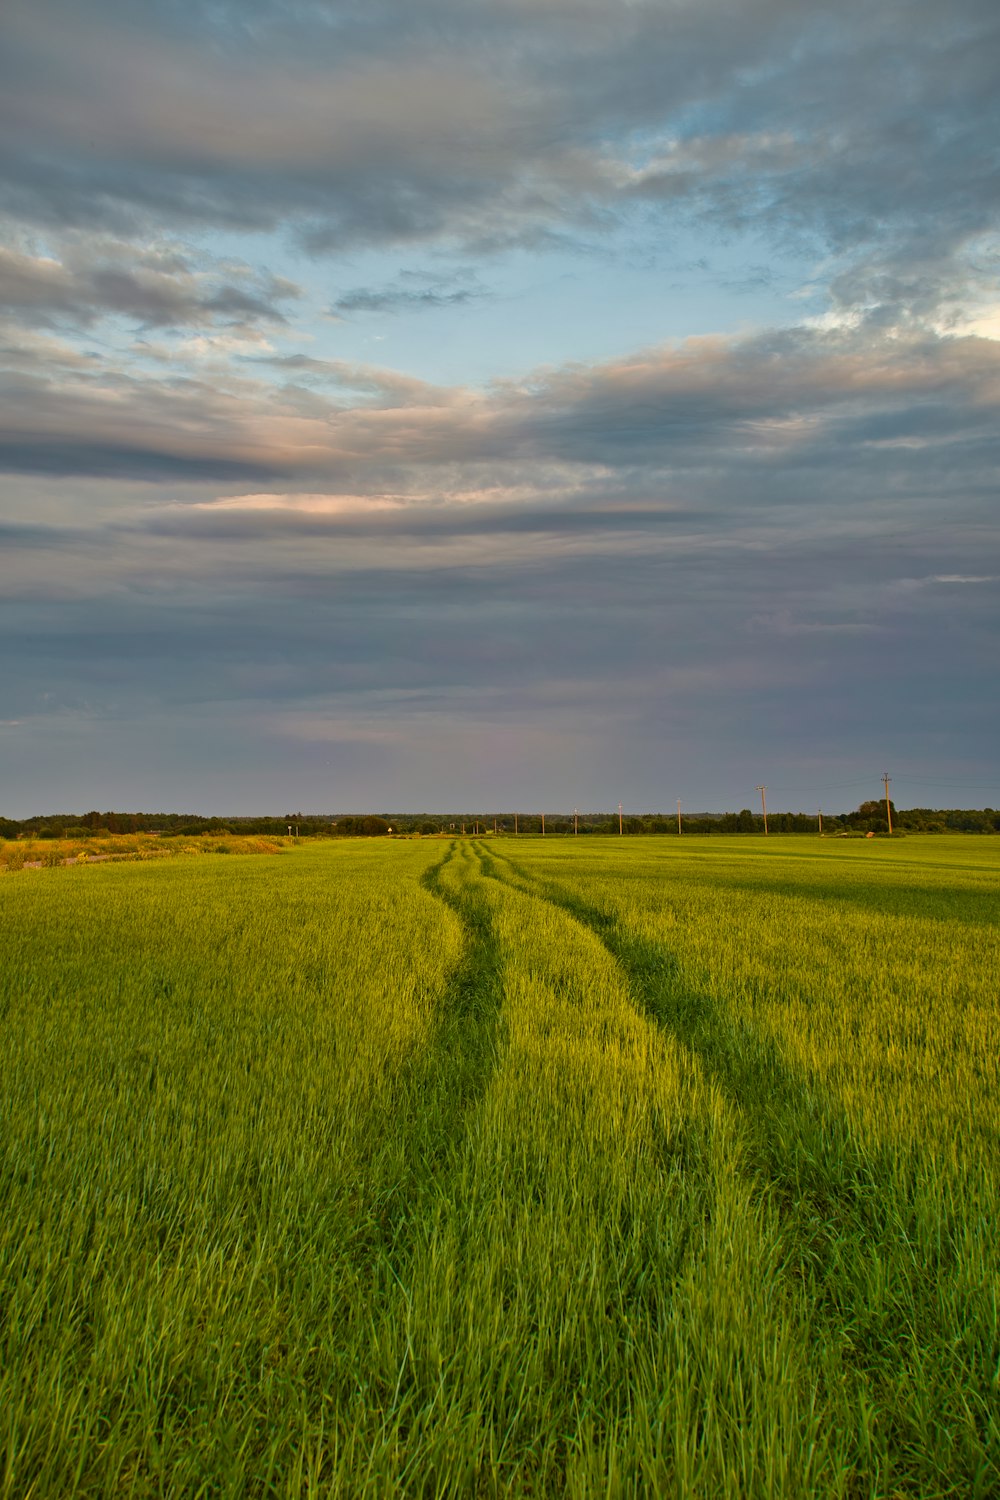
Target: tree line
<point x="869" y="817"/>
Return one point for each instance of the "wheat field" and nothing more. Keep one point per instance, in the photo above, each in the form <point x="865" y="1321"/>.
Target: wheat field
<point x="578" y="1167"/>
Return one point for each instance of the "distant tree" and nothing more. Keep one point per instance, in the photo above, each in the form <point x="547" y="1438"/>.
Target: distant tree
<point x="362" y="827"/>
<point x="745" y="822"/>
<point x="870" y="816"/>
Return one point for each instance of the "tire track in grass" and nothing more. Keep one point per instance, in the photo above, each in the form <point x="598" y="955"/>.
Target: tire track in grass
<point x="240" y="1212"/>
<point x="747" y="1066"/>
<point x="446" y="1081"/>
<point x="380" y="1414"/>
<point x="567" y="1276"/>
<point x="464" y="1046"/>
<point x="878" y="1248"/>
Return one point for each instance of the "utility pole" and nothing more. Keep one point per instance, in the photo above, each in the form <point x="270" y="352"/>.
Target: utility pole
<point x="620" y="829"/>
<point x="886" y="778"/>
<point x="515" y="822"/>
<point x="821" y="822"/>
<point x="543" y="825"/>
<point x="494" y="823"/>
<point x="679" y="828"/>
<point x="576" y="822"/>
<point x="763" y="803"/>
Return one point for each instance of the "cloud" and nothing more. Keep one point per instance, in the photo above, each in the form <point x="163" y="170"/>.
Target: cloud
<point x="412" y="291"/>
<point x="157" y="286"/>
<point x="771" y="407"/>
<point x="870" y="135"/>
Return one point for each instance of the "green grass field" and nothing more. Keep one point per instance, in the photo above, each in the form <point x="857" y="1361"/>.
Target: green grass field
<point x="596" y="1167"/>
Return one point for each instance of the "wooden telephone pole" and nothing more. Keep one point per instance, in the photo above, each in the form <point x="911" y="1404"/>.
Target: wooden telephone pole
<point x="620" y="829"/>
<point x="886" y="778"/>
<point x="679" y="828"/>
<point x="763" y="803"/>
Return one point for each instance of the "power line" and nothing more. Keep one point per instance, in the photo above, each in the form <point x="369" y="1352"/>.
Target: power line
<point x="827" y="786"/>
<point x="957" y="785"/>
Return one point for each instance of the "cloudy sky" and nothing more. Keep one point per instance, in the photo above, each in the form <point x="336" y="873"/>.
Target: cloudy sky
<point x="425" y="404"/>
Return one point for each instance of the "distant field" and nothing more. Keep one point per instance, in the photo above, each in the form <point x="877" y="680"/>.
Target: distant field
<point x="597" y="1167"/>
<point x="48" y="853"/>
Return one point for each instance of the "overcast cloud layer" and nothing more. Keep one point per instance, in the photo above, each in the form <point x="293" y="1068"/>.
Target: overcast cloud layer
<point x="541" y="403"/>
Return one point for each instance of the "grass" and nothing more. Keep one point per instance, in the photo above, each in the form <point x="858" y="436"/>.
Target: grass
<point x="47" y="854"/>
<point x="535" y="1167"/>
